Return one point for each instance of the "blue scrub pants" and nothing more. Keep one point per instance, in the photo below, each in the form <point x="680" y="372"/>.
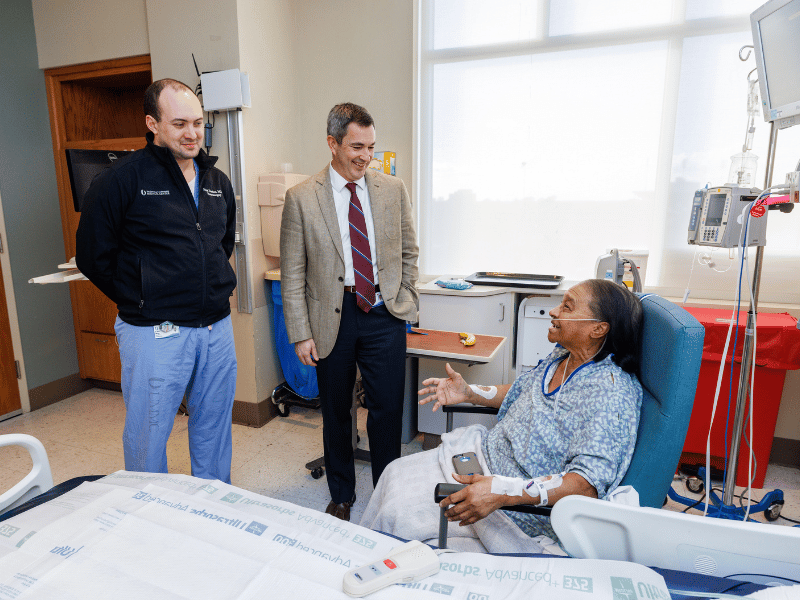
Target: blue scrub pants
<point x="200" y="362"/>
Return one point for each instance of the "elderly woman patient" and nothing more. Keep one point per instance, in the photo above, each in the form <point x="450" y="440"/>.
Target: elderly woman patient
<point x="566" y="427"/>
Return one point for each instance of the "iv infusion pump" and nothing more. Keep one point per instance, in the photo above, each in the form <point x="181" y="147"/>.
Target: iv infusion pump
<point x="716" y="218"/>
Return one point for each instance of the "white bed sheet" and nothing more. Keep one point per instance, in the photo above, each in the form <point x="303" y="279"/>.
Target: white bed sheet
<point x="137" y="535"/>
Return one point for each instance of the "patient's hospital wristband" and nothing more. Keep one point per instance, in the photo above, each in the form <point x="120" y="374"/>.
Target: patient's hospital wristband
<point x="539" y="486"/>
<point x="542" y="484"/>
<point x="488" y="393"/>
<point x="510" y="486"/>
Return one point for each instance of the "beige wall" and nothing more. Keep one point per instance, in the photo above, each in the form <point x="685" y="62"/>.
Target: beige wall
<point x="210" y="30"/>
<point x="180" y="28"/>
<point x="355" y="51"/>
<point x="286" y="49"/>
<point x="266" y="42"/>
<point x="788" y="425"/>
<point x="71" y="32"/>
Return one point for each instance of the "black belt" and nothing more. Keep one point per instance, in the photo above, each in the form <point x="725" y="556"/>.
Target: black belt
<point x="352" y="288"/>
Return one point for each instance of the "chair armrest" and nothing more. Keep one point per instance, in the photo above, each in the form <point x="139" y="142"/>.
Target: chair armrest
<point x="443" y="490"/>
<point x="466" y="408"/>
<point x="470" y="408"/>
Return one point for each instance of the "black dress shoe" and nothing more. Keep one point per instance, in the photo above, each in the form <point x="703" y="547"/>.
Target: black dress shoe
<point x="341" y="510"/>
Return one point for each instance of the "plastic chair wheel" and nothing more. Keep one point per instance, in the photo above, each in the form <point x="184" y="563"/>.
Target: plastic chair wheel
<point x="694" y="485"/>
<point x="317" y="473"/>
<point x="773" y="512"/>
<point x="283" y="409"/>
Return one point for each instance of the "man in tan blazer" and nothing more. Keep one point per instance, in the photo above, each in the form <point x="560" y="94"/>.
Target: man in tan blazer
<point x="348" y="273"/>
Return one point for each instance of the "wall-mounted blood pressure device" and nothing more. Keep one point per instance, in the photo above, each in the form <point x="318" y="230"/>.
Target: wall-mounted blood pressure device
<point x="718" y="216"/>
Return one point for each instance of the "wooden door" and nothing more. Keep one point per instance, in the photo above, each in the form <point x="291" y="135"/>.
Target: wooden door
<point x="9" y="391"/>
<point x="94" y="106"/>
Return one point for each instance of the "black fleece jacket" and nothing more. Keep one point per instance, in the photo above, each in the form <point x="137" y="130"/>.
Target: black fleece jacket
<point x="145" y="245"/>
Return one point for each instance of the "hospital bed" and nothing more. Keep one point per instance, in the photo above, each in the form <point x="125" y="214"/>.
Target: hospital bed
<point x="298" y="552"/>
<point x="38" y="480"/>
<point x="142" y="535"/>
<point x="176" y="536"/>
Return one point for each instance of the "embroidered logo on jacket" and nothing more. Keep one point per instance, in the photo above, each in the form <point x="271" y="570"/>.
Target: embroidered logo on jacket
<point x="155" y="192"/>
<point x="215" y="193"/>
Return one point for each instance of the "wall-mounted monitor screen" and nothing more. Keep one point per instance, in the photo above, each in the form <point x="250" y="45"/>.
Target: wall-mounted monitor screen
<point x="83" y="167"/>
<point x="776" y="38"/>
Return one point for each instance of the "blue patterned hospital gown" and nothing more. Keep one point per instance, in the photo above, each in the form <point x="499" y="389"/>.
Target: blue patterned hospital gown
<point x="589" y="429"/>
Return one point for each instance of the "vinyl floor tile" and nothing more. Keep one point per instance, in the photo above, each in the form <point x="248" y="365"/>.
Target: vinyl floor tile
<point x="790" y="509"/>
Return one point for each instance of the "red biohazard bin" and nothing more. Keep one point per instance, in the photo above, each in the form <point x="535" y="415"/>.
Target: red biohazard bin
<point x="777" y="350"/>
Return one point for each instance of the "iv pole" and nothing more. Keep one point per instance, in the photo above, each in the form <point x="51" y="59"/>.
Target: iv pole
<point x="772" y="502"/>
<point x="747" y="348"/>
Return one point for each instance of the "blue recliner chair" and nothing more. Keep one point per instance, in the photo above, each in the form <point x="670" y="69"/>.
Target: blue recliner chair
<point x="672" y="347"/>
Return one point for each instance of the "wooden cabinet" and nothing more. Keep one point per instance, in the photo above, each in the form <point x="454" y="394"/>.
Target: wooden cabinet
<point x="101" y="355"/>
<point x="94" y="106"/>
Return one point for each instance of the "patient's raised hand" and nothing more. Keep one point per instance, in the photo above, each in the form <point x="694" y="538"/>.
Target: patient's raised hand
<point x="451" y="390"/>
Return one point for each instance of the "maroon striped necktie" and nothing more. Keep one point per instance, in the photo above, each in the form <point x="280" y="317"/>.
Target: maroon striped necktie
<point x="362" y="258"/>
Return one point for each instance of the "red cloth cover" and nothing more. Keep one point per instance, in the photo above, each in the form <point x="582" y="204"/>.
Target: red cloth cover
<point x="777" y="337"/>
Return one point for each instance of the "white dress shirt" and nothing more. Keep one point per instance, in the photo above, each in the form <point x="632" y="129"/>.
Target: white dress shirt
<point x="341" y="199"/>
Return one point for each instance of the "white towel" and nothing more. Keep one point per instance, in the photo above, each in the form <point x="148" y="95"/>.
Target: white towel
<point x="403" y="505"/>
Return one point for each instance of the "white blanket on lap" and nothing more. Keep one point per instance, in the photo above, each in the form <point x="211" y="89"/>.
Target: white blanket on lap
<point x="403" y="503"/>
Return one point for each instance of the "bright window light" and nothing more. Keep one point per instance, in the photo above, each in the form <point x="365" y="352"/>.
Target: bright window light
<point x="592" y="16"/>
<point x="538" y="158"/>
<point x="459" y="23"/>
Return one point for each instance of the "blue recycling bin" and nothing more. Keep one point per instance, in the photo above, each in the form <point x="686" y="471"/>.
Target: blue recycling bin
<point x="302" y="379"/>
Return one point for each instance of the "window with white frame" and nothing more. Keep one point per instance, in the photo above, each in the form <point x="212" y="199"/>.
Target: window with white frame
<point x="552" y="130"/>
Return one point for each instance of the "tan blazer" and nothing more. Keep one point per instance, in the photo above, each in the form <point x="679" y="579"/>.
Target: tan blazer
<point x="312" y="259"/>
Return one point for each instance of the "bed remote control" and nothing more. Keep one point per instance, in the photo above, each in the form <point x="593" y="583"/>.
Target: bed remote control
<point x="405" y="564"/>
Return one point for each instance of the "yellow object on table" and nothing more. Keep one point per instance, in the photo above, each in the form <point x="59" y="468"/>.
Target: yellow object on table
<point x="468" y="339"/>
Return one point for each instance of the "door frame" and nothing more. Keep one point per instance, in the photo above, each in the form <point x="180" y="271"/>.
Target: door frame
<point x="13" y="320"/>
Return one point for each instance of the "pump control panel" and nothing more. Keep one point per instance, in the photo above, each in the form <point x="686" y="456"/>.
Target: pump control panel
<point x="719" y="214"/>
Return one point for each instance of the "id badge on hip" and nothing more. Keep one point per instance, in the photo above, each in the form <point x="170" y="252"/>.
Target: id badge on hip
<point x="166" y="330"/>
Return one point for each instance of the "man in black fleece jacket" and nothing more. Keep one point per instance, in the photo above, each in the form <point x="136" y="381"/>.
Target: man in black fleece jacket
<point x="155" y="236"/>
